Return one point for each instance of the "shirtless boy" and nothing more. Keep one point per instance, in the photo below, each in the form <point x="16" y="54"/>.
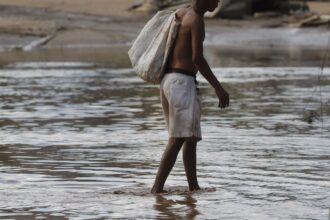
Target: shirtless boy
<point x="179" y="97"/>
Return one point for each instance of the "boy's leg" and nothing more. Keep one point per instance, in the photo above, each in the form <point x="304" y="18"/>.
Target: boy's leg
<point x="189" y="161"/>
<point x="166" y="164"/>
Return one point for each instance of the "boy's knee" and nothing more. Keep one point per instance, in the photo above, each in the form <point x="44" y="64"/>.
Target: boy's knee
<point x="176" y="141"/>
<point x="191" y="141"/>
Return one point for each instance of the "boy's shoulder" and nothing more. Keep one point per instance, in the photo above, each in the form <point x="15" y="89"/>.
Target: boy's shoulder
<point x="189" y="16"/>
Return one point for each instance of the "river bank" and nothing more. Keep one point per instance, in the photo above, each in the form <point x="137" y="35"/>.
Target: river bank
<point x="101" y="32"/>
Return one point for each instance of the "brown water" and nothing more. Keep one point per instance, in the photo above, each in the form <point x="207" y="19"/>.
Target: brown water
<point x="83" y="142"/>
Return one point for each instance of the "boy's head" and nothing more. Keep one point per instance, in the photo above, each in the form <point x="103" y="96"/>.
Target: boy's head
<point x="212" y="4"/>
<point x="208" y="5"/>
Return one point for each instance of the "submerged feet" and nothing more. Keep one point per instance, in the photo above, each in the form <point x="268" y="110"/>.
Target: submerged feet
<point x="194" y="188"/>
<point x="158" y="192"/>
<point x="155" y="191"/>
<point x="168" y="160"/>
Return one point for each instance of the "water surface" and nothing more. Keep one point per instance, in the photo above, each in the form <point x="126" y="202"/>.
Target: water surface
<point x="79" y="141"/>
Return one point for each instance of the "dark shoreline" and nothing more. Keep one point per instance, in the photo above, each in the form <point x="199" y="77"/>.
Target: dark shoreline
<point x="116" y="57"/>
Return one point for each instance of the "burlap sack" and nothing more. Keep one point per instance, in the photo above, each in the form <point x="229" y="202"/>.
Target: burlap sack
<point x="150" y="50"/>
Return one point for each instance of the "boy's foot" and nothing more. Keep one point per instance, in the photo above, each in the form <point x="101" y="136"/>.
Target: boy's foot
<point x="158" y="192"/>
<point x="194" y="188"/>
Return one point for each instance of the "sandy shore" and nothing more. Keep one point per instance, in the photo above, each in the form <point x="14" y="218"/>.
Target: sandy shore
<point x="98" y="22"/>
<point x="29" y="26"/>
<point x="117" y="8"/>
<point x="70" y="21"/>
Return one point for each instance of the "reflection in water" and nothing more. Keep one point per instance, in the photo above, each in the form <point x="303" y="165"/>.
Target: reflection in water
<point x="183" y="208"/>
<point x="80" y="142"/>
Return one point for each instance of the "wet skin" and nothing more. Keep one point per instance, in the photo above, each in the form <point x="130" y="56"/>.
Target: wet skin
<point x="187" y="54"/>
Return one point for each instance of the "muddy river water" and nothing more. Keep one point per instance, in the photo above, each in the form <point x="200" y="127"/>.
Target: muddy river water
<point x="81" y="141"/>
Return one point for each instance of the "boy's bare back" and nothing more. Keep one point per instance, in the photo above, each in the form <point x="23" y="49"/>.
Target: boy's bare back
<point x="188" y="42"/>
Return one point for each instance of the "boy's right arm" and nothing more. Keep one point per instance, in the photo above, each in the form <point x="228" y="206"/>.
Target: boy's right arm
<point x="197" y="36"/>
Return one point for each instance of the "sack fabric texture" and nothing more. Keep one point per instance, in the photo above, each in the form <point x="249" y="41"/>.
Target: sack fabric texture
<point x="151" y="48"/>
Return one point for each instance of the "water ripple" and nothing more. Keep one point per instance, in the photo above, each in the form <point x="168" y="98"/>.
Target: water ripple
<point x="83" y="142"/>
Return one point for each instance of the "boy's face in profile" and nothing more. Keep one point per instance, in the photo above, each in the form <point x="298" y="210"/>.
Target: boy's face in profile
<point x="212" y="4"/>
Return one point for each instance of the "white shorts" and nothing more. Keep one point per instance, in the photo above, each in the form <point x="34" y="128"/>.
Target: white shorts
<point x="181" y="106"/>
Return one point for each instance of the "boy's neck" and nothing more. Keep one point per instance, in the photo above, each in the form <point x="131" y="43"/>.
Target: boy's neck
<point x="198" y="9"/>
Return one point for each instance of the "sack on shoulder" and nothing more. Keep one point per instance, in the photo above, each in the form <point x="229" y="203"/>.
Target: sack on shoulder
<point x="150" y="50"/>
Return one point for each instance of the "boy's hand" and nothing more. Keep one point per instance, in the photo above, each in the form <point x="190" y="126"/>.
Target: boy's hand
<point x="223" y="98"/>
